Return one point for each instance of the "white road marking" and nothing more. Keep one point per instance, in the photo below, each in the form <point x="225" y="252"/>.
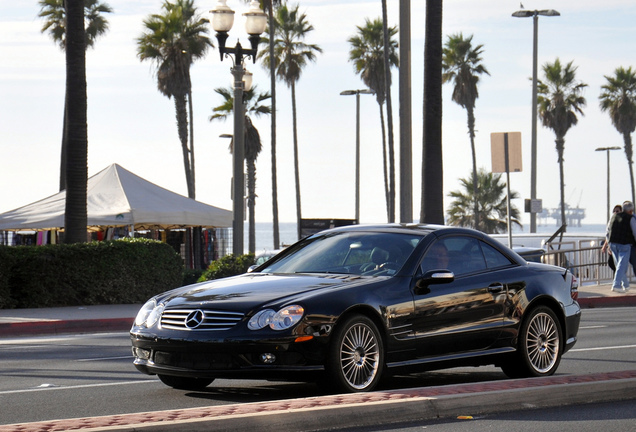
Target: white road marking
<point x="49" y="388"/>
<point x="603" y="348"/>
<point x="104" y="358"/>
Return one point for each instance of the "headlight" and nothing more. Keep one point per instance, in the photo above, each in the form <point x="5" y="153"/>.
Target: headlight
<point x="281" y="320"/>
<point x="144" y="312"/>
<point x="154" y="315"/>
<point x="149" y="314"/>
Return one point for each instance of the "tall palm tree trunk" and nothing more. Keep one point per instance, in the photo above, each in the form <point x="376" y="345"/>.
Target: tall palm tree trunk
<point x="560" y="143"/>
<point x="389" y="113"/>
<point x="75" y="214"/>
<point x="471" y="131"/>
<point x="385" y="165"/>
<point x="64" y="144"/>
<point x="197" y="247"/>
<point x="191" y="180"/>
<point x="627" y="139"/>
<point x="182" y="126"/>
<point x="432" y="210"/>
<point x="272" y="77"/>
<point x="296" y="165"/>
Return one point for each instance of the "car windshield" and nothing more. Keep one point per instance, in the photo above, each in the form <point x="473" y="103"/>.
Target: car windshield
<point x="356" y="253"/>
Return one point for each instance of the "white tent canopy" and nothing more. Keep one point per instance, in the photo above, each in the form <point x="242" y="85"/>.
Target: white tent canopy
<point x="117" y="197"/>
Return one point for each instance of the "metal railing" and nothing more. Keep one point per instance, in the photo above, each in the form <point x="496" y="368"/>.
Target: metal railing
<point x="583" y="258"/>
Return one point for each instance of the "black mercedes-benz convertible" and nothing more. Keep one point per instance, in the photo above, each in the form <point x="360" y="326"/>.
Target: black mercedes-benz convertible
<point x="350" y="305"/>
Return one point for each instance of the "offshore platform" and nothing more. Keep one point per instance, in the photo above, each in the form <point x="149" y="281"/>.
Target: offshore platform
<point x="573" y="215"/>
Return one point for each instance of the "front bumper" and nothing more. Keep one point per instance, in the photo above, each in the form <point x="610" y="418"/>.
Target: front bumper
<point x="274" y="359"/>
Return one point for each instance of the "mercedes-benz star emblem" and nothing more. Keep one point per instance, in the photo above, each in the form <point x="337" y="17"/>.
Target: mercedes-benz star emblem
<point x="194" y="319"/>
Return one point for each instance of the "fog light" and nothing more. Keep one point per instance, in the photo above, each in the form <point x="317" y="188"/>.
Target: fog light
<point x="268" y="358"/>
<point x="141" y="353"/>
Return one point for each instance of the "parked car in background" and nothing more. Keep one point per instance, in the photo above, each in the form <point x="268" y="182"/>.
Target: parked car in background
<point x="263" y="256"/>
<point x="349" y="305"/>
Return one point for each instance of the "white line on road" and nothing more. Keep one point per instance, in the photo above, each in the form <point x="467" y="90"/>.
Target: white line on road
<point x="39" y="389"/>
<point x="603" y="348"/>
<point x="104" y="358"/>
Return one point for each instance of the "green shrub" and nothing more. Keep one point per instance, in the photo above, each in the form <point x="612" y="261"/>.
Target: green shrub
<point x="6" y="263"/>
<point x="229" y="265"/>
<point x="191" y="276"/>
<point x="111" y="272"/>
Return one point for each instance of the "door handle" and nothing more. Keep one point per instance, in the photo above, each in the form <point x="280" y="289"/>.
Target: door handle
<point x="495" y="288"/>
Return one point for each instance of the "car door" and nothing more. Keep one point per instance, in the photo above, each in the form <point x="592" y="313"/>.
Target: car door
<point x="466" y="314"/>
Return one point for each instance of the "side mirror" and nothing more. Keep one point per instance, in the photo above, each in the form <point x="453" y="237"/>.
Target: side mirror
<point x="433" y="277"/>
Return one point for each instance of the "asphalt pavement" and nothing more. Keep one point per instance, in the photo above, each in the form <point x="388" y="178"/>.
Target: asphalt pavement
<point x="326" y="412"/>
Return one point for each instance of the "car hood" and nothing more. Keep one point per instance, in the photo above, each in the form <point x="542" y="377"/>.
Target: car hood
<point x="252" y="290"/>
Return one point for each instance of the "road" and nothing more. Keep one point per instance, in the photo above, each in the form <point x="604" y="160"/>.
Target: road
<point x="90" y="375"/>
<point x="608" y="417"/>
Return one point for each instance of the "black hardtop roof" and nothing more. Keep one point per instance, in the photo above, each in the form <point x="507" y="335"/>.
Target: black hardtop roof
<point x="407" y="228"/>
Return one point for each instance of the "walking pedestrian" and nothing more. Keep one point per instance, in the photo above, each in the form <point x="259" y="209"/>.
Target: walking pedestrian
<point x="605" y="249"/>
<point x="621" y="235"/>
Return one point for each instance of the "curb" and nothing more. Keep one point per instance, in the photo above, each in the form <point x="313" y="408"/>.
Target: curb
<point x="365" y="409"/>
<point x="57" y="327"/>
<point x="603" y="302"/>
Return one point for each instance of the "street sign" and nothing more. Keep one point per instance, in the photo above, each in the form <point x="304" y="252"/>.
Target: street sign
<point x="498" y="151"/>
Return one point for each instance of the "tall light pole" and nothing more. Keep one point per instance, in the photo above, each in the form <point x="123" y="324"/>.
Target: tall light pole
<point x="533" y="146"/>
<point x="255" y="23"/>
<point x="607" y="150"/>
<point x="357" y="93"/>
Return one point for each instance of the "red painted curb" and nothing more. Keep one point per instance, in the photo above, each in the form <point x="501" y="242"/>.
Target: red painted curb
<point x="602" y="302"/>
<point x="65" y="326"/>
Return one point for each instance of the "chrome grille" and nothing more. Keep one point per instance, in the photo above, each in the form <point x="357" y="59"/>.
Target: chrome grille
<point x="176" y="319"/>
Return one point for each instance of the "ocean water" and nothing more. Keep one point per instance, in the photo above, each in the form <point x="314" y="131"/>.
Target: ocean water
<point x="265" y="235"/>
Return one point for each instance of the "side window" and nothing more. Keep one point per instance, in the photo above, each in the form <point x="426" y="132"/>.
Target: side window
<point x="461" y="255"/>
<point x="435" y="258"/>
<point x="494" y="258"/>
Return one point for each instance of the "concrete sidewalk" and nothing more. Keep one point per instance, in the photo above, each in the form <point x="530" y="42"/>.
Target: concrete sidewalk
<point x="107" y="318"/>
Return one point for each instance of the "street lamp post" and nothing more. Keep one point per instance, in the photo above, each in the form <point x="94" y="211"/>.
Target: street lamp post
<point x="255" y="23"/>
<point x="533" y="146"/>
<point x="607" y="150"/>
<point x="357" y="93"/>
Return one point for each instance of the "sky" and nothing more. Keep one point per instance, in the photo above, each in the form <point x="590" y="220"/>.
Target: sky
<point x="130" y="123"/>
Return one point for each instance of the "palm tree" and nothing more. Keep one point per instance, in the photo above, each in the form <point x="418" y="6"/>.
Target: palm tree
<point x="75" y="215"/>
<point x="491" y="200"/>
<point x="389" y="108"/>
<point x="367" y="55"/>
<point x="268" y="6"/>
<point x="173" y="41"/>
<point x="618" y="98"/>
<point x="559" y="99"/>
<point x="432" y="210"/>
<point x="253" y="146"/>
<point x="54" y="15"/>
<point x="461" y="64"/>
<point x="291" y="55"/>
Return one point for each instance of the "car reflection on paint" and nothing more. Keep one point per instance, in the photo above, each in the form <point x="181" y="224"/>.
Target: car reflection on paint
<point x="352" y="304"/>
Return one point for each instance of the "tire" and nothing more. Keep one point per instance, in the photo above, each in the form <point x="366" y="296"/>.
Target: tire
<point x="539" y="348"/>
<point x="185" y="383"/>
<point x="356" y="356"/>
